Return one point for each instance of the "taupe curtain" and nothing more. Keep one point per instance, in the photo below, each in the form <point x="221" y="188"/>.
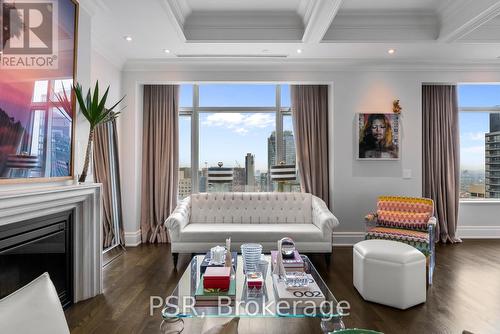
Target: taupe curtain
<point x="310" y="126"/>
<point x="160" y="159"/>
<point x="441" y="160"/>
<point x="106" y="171"/>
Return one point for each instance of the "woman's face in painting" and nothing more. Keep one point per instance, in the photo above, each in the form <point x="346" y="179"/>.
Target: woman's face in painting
<point x="378" y="129"/>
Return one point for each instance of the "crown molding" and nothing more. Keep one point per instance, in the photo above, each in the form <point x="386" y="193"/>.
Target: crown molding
<point x="176" y="16"/>
<point x="305" y="65"/>
<point x="321" y="18"/>
<point x="378" y="27"/>
<point x="93" y="7"/>
<point x="461" y="17"/>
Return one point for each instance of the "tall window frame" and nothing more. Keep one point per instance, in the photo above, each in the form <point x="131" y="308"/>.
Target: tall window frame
<point x="470" y="109"/>
<point x="194" y="113"/>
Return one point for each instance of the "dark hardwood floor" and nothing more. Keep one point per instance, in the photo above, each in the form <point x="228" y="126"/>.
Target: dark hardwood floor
<point x="465" y="295"/>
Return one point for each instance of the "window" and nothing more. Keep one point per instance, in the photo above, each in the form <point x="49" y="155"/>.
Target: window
<point x="479" y="141"/>
<point x="236" y="131"/>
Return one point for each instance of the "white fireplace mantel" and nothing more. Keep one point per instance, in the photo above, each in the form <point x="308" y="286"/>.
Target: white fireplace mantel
<point x="85" y="201"/>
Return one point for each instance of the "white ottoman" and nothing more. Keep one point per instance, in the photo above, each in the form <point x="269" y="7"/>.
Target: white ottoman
<point x="390" y="273"/>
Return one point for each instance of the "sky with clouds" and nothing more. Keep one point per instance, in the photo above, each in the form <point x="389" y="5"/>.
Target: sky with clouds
<point x="473" y="125"/>
<point x="228" y="137"/>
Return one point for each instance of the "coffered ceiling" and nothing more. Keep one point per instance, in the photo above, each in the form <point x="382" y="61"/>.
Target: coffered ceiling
<point x="441" y="31"/>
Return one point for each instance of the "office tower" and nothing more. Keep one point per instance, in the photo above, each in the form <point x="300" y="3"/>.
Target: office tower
<point x="271" y="157"/>
<point x="250" y="172"/>
<point x="184" y="182"/>
<point x="271" y="150"/>
<point x="239" y="179"/>
<point x="289" y="147"/>
<point x="203" y="180"/>
<point x="492" y="157"/>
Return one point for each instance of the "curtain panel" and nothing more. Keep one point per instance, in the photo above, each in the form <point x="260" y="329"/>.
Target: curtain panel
<point x="441" y="156"/>
<point x="310" y="126"/>
<point x="107" y="172"/>
<point x="160" y="159"/>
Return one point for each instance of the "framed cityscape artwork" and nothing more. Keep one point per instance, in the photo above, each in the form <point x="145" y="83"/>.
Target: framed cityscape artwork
<point x="37" y="72"/>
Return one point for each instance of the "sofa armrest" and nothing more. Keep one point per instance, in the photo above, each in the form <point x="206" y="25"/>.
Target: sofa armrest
<point x="322" y="217"/>
<point x="179" y="219"/>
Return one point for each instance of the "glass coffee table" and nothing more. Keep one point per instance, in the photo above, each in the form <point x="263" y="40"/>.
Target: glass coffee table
<point x="180" y="304"/>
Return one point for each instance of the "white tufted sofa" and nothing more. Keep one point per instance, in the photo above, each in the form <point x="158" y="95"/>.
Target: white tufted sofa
<point x="202" y="221"/>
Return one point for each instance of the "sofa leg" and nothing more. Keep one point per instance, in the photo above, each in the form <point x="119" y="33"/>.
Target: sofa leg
<point x="328" y="258"/>
<point x="176" y="257"/>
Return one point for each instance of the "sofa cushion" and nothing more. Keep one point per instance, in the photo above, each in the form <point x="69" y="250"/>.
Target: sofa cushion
<point x="248" y="232"/>
<point x="251" y="208"/>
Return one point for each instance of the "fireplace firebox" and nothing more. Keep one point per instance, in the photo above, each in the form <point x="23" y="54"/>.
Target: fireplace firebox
<point x="32" y="247"/>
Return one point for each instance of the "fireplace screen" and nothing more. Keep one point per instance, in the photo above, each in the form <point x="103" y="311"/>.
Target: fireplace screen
<point x="30" y="248"/>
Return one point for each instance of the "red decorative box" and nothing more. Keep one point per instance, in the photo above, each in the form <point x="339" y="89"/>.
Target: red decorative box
<point x="255" y="280"/>
<point x="217" y="278"/>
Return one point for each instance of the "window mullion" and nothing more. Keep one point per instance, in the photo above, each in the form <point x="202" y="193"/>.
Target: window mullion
<point x="195" y="127"/>
<point x="279" y="126"/>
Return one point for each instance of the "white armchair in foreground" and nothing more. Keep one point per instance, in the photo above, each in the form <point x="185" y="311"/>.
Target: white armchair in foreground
<point x="35" y="308"/>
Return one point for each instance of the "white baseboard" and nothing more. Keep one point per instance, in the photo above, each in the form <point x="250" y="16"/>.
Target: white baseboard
<point x="347" y="238"/>
<point x="133" y="239"/>
<point x="478" y="232"/>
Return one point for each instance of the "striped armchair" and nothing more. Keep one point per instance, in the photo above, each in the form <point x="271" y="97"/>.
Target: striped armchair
<point x="406" y="219"/>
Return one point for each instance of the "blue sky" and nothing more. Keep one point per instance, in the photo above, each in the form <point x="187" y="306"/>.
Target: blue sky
<point x="473" y="125"/>
<point x="229" y="137"/>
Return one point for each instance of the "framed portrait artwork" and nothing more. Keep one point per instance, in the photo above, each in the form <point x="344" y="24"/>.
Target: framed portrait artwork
<point x="38" y="42"/>
<point x="378" y="136"/>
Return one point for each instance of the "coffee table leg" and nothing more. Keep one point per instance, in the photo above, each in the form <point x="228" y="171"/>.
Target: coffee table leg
<point x="167" y="324"/>
<point x="330" y="325"/>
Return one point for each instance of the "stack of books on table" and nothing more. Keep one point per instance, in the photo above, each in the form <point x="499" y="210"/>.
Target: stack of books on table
<point x="216" y="282"/>
<point x="294" y="263"/>
<point x="302" y="297"/>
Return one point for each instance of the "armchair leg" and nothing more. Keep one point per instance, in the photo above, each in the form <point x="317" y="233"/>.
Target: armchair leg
<point x="176" y="257"/>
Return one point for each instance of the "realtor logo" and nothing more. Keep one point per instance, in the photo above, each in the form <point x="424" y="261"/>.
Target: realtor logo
<point x="29" y="35"/>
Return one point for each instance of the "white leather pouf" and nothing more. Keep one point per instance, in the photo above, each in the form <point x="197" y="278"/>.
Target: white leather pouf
<point x="390" y="273"/>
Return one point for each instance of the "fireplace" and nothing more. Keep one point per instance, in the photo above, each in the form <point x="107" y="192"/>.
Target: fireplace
<point x="32" y="247"/>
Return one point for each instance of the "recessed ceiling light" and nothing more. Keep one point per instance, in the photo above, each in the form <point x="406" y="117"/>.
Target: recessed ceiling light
<point x="166" y="50"/>
<point x="128" y="38"/>
<point x="299" y="50"/>
<point x="391" y="51"/>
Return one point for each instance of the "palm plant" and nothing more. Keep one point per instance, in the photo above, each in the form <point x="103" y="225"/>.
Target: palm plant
<point x="96" y="113"/>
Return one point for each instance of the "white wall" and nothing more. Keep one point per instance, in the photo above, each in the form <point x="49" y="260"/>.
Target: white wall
<point x="356" y="184"/>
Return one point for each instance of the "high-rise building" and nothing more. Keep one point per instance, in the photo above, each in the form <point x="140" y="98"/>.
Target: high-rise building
<point x="250" y="172"/>
<point x="271" y="157"/>
<point x="271" y="150"/>
<point x="185" y="187"/>
<point x="492" y="157"/>
<point x="289" y="147"/>
<point x="239" y="179"/>
<point x="203" y="177"/>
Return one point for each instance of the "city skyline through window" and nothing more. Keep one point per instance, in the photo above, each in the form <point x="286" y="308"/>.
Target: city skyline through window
<point x="246" y="127"/>
<point x="479" y="141"/>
